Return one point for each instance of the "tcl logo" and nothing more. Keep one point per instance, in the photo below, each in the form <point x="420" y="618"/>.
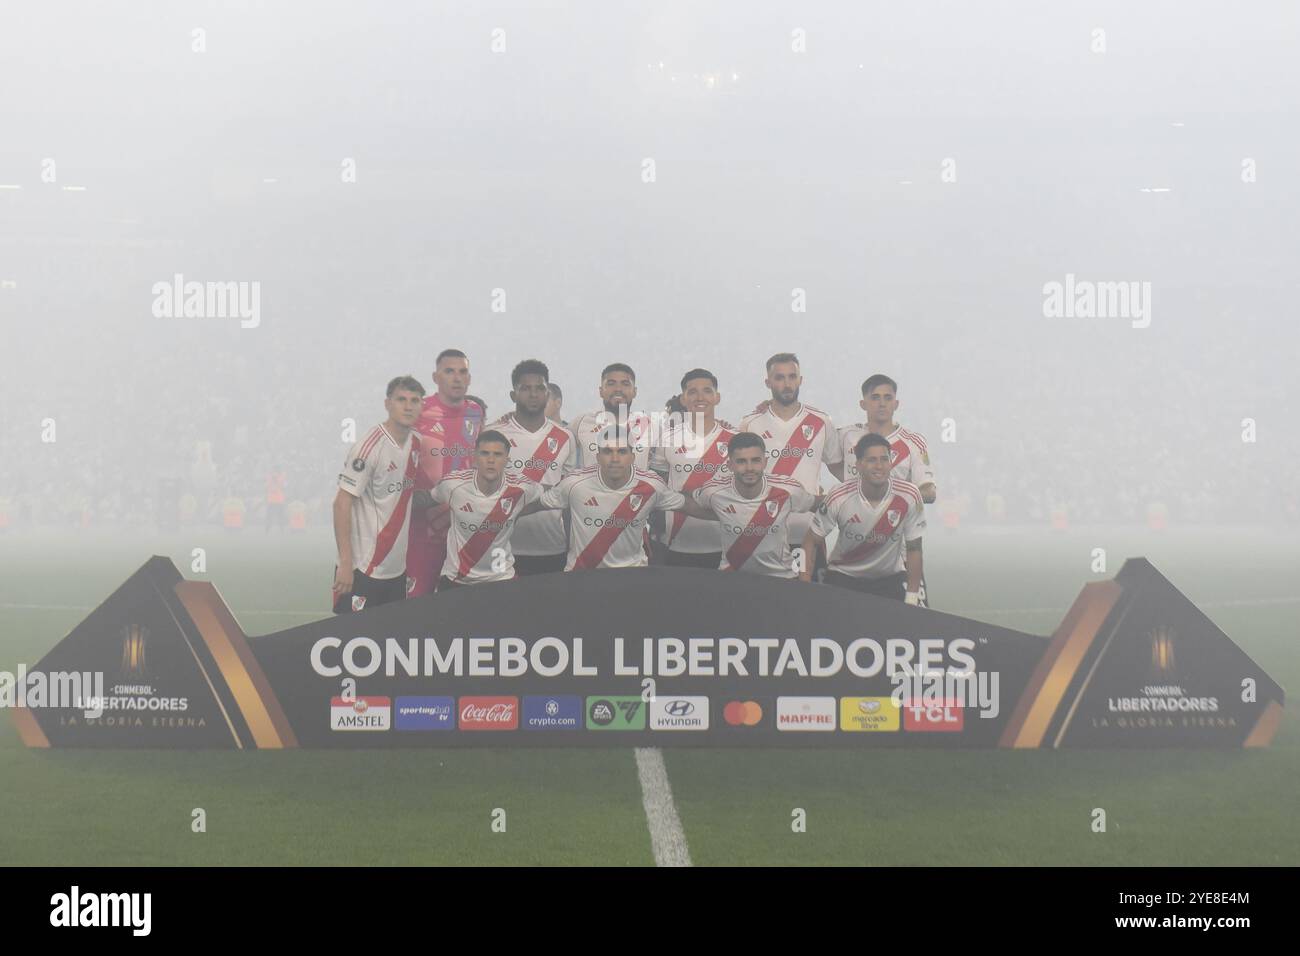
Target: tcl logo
<point x="489" y="713"/>
<point x="932" y="717"/>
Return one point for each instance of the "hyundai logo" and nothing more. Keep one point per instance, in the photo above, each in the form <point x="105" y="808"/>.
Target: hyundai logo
<point x="679" y="708"/>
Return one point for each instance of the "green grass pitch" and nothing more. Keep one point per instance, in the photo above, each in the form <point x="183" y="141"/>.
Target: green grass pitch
<point x="583" y="806"/>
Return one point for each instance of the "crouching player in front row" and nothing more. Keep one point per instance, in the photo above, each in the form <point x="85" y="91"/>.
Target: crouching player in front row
<point x="483" y="504"/>
<point x="609" y="505"/>
<point x="880" y="521"/>
<point x="752" y="509"/>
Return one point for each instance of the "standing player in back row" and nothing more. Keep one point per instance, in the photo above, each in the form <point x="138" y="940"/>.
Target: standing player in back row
<point x="449" y="424"/>
<point x="909" y="455"/>
<point x="799" y="438"/>
<point x="693" y="449"/>
<point x="370" y="519"/>
<point x="617" y="392"/>
<point x="541" y="451"/>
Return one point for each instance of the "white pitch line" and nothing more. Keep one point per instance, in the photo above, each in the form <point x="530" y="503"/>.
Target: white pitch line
<point x="667" y="839"/>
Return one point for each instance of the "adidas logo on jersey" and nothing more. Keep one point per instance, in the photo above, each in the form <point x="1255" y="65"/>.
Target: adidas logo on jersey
<point x="767" y="434"/>
<point x="466" y="507"/>
<point x="730" y="509"/>
<point x="592" y="502"/>
<point x="855" y="520"/>
<point x="392" y="467"/>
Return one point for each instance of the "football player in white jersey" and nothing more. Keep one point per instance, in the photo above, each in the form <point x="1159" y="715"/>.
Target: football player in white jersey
<point x="911" y="457"/>
<point x="880" y="520"/>
<point x="609" y="505"/>
<point x="692" y="450"/>
<point x="541" y="451"/>
<point x="483" y="503"/>
<point x="799" y="438"/>
<point x="555" y="406"/>
<point x="370" y="508"/>
<point x="617" y="392"/>
<point x="752" y="509"/>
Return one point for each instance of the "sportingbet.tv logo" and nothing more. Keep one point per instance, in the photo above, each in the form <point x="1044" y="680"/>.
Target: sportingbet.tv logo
<point x="615" y="713"/>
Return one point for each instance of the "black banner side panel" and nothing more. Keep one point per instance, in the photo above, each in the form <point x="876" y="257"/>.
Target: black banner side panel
<point x="1159" y="673"/>
<point x="143" y="677"/>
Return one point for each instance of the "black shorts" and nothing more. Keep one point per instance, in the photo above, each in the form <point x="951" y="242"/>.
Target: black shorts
<point x="526" y="564"/>
<point x="370" y="592"/>
<point x="892" y="586"/>
<point x="683" y="559"/>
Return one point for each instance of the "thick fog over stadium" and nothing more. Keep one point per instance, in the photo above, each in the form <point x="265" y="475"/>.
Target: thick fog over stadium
<point x="653" y="184"/>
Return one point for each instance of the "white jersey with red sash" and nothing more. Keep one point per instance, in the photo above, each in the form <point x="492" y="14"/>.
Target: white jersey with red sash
<point x="689" y="461"/>
<point x="873" y="538"/>
<point x="796" y="449"/>
<point x="908" y="456"/>
<point x="544" y="456"/>
<point x="380" y="475"/>
<point x="607" y="526"/>
<point x="478" y="538"/>
<point x="753" y="530"/>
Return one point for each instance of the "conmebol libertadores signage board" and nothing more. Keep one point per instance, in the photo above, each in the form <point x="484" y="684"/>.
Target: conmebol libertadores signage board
<point x="657" y="656"/>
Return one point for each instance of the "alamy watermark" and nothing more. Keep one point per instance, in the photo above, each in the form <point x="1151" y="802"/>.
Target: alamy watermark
<point x="1085" y="299"/>
<point x="178" y="299"/>
<point x="54" y="690"/>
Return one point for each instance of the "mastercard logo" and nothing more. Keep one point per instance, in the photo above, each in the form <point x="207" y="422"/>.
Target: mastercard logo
<point x="745" y="713"/>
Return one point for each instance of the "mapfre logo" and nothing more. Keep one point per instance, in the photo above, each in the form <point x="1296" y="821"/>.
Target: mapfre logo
<point x="805" y="713"/>
<point x="489" y="713"/>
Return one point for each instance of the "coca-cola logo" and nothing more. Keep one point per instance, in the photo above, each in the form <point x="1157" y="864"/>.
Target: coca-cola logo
<point x="489" y="713"/>
<point x="496" y="714"/>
